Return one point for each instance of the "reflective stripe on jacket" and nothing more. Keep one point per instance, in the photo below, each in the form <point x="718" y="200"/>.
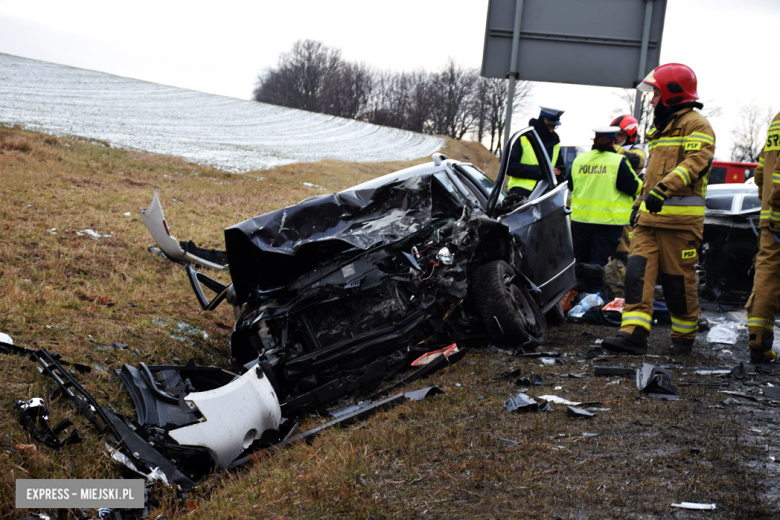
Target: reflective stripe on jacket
<point x="594" y="198"/>
<point x="680" y="157"/>
<point x="768" y="170"/>
<point x="529" y="157"/>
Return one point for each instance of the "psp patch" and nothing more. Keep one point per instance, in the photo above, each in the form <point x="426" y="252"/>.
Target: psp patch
<point x="689" y="253"/>
<point x="693" y="145"/>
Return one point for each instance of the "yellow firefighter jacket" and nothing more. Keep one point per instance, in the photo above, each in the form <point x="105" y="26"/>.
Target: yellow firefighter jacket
<point x="680" y="158"/>
<point x="768" y="177"/>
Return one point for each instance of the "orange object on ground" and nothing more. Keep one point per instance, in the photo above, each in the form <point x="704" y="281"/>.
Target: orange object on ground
<point x="566" y="300"/>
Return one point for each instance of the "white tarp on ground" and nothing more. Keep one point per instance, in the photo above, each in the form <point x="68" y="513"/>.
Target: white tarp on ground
<point x="227" y="133"/>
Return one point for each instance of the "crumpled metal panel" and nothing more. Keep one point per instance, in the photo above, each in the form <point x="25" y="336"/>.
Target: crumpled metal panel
<point x="272" y="249"/>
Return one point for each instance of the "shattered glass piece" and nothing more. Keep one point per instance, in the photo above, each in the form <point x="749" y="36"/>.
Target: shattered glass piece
<point x="521" y="403"/>
<point x="579" y="413"/>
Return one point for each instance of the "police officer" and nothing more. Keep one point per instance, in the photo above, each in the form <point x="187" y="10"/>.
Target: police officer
<point x="603" y="188"/>
<point x="763" y="305"/>
<point x="523" y="168"/>
<point x="669" y="214"/>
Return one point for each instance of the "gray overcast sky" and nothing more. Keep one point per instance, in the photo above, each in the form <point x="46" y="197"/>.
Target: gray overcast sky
<point x="221" y="47"/>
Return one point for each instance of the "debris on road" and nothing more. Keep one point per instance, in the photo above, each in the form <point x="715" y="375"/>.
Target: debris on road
<point x="656" y="382"/>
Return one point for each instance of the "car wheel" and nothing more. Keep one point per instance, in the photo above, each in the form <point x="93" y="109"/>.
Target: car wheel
<point x="508" y="312"/>
<point x="555" y="316"/>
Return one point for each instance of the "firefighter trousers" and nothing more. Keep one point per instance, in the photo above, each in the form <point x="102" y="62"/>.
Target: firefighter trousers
<point x="672" y="253"/>
<point x="763" y="303"/>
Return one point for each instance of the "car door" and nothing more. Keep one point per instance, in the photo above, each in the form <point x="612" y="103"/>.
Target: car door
<point x="540" y="227"/>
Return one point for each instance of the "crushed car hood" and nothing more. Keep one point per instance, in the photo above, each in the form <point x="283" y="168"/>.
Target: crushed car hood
<point x="271" y="250"/>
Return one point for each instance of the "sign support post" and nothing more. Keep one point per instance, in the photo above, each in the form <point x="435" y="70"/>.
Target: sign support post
<point x="643" y="59"/>
<point x="510" y="98"/>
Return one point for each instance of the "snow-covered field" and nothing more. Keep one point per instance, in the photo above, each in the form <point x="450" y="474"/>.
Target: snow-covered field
<point x="228" y="133"/>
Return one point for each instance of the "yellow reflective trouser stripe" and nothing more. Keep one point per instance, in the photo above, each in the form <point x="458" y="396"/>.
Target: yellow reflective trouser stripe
<point x="677" y="210"/>
<point x="761" y="322"/>
<point x="773" y="215"/>
<point x="683" y="173"/>
<point x="637" y="318"/>
<point x="776" y="177"/>
<point x="684" y="326"/>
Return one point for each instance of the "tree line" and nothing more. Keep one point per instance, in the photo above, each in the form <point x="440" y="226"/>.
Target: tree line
<point x="454" y="101"/>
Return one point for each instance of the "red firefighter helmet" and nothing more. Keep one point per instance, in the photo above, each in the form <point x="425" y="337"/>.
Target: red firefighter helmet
<point x="677" y="83"/>
<point x="629" y="125"/>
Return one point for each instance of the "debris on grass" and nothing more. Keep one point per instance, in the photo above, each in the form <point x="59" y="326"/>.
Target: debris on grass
<point x="695" y="506"/>
<point x="579" y="413"/>
<point x="521" y="403"/>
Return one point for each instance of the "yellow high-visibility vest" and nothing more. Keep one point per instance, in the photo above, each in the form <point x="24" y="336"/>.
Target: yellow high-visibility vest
<point x="594" y="198"/>
<point x="529" y="157"/>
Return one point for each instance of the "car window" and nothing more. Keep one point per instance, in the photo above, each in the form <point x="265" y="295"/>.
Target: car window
<point x="717" y="175"/>
<point x="483" y="182"/>
<point x="447" y="200"/>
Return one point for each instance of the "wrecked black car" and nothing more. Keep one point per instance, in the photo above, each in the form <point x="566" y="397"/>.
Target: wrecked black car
<point x="729" y="245"/>
<point x="339" y="293"/>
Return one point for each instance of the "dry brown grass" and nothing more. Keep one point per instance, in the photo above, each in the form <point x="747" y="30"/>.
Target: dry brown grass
<point x="443" y="458"/>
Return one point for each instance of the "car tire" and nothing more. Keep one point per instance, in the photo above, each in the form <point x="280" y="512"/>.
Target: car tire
<point x="555" y="316"/>
<point x="509" y="313"/>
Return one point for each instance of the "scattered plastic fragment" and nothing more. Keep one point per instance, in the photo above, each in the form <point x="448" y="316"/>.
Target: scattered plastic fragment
<point x="127" y="213"/>
<point x="430" y="356"/>
<point x="579" y="413"/>
<point x="708" y="371"/>
<point x="507" y="375"/>
<point x="535" y="379"/>
<point x="559" y="400"/>
<point x="35" y="418"/>
<point x="594" y="353"/>
<point x="695" y="506"/>
<point x="656" y="382"/>
<point x="93" y="234"/>
<point x="521" y="403"/>
<point x="773" y="392"/>
<point x="539" y="354"/>
<point x="310" y="185"/>
<point x="725" y="334"/>
<point x="586" y="434"/>
<point x="5" y="338"/>
<point x="615" y="305"/>
<point x="614" y="371"/>
<point x="738" y="372"/>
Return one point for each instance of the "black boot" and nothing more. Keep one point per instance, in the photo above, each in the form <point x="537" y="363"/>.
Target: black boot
<point x="634" y="343"/>
<point x="681" y="347"/>
<point x="762" y="352"/>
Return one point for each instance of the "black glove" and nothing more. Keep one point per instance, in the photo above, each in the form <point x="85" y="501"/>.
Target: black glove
<point x="654" y="200"/>
<point x="634" y="218"/>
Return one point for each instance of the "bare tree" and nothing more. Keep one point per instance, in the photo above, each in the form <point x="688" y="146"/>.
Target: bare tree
<point x="450" y="100"/>
<point x="646" y="123"/>
<point x="346" y="90"/>
<point x="300" y="76"/>
<point x="497" y="92"/>
<point x="748" y="137"/>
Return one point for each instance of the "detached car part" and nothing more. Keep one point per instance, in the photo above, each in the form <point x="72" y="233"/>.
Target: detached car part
<point x="35" y="418"/>
<point x="155" y="222"/>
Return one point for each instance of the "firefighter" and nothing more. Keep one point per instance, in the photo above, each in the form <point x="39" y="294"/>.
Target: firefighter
<point x="603" y="188"/>
<point x="523" y="169"/>
<point x="668" y="216"/>
<point x="626" y="142"/>
<point x="762" y="304"/>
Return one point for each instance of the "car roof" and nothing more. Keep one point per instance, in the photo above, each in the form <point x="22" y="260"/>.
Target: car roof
<point x="413" y="171"/>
